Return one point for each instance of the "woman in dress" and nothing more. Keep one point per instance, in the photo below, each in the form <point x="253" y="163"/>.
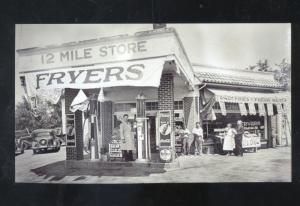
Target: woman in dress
<point x="229" y="143"/>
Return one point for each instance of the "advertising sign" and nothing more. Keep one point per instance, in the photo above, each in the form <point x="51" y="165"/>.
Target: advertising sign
<point x="114" y="149"/>
<point x="71" y="132"/>
<point x="165" y="154"/>
<point x="145" y="73"/>
<point x="165" y="128"/>
<point x="250" y="140"/>
<point x="108" y="50"/>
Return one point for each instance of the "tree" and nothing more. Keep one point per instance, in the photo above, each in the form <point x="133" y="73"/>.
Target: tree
<point x="261" y="66"/>
<point x="283" y="73"/>
<point x="45" y="115"/>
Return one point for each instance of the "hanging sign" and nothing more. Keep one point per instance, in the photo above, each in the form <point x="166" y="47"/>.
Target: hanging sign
<point x="144" y="73"/>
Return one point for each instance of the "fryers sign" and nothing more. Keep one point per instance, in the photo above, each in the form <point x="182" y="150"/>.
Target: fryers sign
<point x="91" y="76"/>
<point x="128" y="73"/>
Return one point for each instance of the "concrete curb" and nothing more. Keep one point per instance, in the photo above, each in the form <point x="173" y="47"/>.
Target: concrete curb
<point x="97" y="164"/>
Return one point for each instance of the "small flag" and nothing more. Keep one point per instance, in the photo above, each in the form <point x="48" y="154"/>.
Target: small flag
<point x="80" y="102"/>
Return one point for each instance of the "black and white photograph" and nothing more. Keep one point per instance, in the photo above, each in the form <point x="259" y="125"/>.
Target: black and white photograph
<point x="153" y="103"/>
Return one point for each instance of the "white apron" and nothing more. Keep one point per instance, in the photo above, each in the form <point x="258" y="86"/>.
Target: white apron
<point x="229" y="143"/>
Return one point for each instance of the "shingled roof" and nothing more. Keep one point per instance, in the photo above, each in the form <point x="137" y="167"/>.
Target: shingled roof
<point x="239" y="77"/>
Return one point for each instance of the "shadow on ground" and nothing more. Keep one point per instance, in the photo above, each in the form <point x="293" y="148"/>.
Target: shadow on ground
<point x="59" y="170"/>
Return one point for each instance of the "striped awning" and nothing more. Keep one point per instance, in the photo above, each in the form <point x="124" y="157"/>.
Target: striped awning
<point x="261" y="109"/>
<point x="223" y="108"/>
<point x="251" y="98"/>
<point x="243" y="109"/>
<point x="270" y="109"/>
<point x="252" y="110"/>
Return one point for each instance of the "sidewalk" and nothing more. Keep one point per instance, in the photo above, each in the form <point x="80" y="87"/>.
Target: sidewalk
<point x="267" y="165"/>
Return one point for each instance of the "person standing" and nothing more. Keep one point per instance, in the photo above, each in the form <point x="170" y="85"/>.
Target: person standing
<point x="127" y="139"/>
<point x="198" y="137"/>
<point x="187" y="142"/>
<point x="239" y="138"/>
<point x="229" y="142"/>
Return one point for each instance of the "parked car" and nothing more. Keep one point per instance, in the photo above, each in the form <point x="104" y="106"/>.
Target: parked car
<point x="23" y="141"/>
<point x="59" y="134"/>
<point x="44" y="140"/>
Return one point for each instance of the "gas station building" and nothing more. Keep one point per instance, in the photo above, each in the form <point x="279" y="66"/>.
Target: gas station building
<point x="147" y="76"/>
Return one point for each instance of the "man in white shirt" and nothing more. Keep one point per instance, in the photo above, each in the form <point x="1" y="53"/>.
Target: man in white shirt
<point x="198" y="136"/>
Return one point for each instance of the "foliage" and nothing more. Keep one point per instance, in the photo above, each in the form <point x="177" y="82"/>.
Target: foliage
<point x="282" y="71"/>
<point x="45" y="115"/>
<point x="261" y="66"/>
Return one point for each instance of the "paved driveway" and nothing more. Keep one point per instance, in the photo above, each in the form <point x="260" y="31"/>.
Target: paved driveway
<point x="268" y="165"/>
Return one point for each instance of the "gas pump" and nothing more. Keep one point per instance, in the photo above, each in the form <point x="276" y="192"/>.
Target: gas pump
<point x="142" y="134"/>
<point x="143" y="140"/>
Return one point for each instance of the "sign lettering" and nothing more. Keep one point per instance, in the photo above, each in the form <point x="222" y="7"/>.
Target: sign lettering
<point x="251" y="140"/>
<point x="133" y="72"/>
<point x="128" y="73"/>
<point x="94" y="52"/>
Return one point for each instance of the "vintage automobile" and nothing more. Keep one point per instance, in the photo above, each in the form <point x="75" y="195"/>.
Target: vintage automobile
<point x="44" y="140"/>
<point x="23" y="141"/>
<point x="59" y="134"/>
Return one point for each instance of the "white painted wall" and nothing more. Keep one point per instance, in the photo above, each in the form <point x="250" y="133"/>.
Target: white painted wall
<point x="128" y="94"/>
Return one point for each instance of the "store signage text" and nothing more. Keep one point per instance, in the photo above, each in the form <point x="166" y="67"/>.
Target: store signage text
<point x="94" y="52"/>
<point x="98" y="75"/>
<point x="127" y="73"/>
<point x="245" y="99"/>
<point x="250" y="141"/>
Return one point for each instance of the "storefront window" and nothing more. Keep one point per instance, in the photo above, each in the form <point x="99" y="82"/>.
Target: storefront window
<point x="178" y="105"/>
<point x="252" y="123"/>
<point x="151" y="105"/>
<point x="124" y="107"/>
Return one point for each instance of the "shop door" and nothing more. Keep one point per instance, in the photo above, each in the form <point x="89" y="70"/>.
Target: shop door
<point x="152" y="133"/>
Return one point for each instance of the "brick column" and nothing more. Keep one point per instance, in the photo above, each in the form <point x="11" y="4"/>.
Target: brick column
<point x="74" y="153"/>
<point x="166" y="94"/>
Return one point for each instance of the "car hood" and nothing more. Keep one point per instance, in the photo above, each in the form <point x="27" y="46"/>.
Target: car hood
<point x="43" y="137"/>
